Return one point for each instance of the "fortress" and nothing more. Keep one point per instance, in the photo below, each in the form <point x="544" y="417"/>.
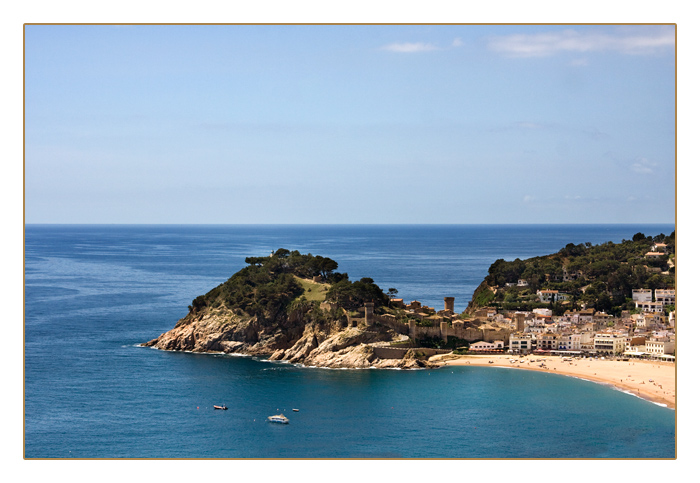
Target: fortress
<point x="417" y="324"/>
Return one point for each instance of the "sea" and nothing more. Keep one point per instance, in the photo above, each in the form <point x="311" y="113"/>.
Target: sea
<point x="94" y="293"/>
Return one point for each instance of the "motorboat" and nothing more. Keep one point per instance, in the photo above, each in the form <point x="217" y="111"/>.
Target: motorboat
<point x="221" y="407"/>
<point x="279" y="418"/>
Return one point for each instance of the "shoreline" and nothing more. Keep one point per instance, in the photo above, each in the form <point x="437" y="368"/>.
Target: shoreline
<point x="649" y="380"/>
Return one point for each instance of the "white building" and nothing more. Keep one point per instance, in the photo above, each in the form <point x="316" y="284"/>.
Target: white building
<point x="666" y="296"/>
<point x="551" y="295"/>
<point x="548" y="341"/>
<point x="609" y="343"/>
<point x="639" y="321"/>
<point x="650" y="306"/>
<point x="520" y="343"/>
<point x="641" y="295"/>
<point x="659" y="247"/>
<point x="571" y="317"/>
<point x="570" y="342"/>
<point x="486" y="346"/>
<point x="587" y="338"/>
<point x="657" y="346"/>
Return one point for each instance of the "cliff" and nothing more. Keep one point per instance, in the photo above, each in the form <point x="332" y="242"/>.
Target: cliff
<point x="273" y="308"/>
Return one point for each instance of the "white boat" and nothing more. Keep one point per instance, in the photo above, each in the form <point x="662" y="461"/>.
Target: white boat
<point x="279" y="418"/>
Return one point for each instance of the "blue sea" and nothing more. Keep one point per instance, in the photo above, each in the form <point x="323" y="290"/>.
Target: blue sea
<point x="93" y="293"/>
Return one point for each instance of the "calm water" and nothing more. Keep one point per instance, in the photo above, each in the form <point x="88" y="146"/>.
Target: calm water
<point x="93" y="293"/>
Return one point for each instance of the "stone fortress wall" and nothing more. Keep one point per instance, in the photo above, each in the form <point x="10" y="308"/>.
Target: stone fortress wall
<point x="414" y="331"/>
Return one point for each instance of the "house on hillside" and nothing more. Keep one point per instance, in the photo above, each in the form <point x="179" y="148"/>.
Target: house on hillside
<point x="650" y="306"/>
<point x="666" y="296"/>
<point x="641" y="295"/>
<point x="659" y="247"/>
<point x="546" y="296"/>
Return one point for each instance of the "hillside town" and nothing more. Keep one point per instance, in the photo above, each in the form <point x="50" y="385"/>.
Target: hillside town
<point x="645" y="330"/>
<point x="646" y="333"/>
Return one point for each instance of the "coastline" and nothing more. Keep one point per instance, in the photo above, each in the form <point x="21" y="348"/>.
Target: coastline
<point x="631" y="376"/>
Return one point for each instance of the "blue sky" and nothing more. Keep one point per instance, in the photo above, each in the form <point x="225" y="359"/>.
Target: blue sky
<point x="350" y="124"/>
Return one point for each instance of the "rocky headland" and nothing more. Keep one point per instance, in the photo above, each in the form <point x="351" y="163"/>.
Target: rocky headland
<point x="295" y="308"/>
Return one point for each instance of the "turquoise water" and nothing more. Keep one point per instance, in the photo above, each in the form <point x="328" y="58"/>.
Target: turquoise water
<point x="93" y="293"/>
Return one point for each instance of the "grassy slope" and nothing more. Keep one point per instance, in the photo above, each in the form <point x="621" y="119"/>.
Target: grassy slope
<point x="317" y="291"/>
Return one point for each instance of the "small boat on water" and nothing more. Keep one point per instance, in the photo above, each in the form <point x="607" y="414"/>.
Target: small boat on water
<point x="295" y="410"/>
<point x="279" y="418"/>
<point x="221" y="407"/>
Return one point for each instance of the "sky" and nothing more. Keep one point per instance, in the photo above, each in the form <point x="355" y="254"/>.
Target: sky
<point x="350" y="123"/>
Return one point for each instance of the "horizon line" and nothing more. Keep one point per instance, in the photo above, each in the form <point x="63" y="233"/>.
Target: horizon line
<point x="348" y="224"/>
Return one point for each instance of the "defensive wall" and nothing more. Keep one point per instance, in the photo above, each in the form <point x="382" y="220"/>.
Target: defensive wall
<point x="390" y="321"/>
<point x="414" y="331"/>
<point x="399" y="353"/>
<point x="444" y="331"/>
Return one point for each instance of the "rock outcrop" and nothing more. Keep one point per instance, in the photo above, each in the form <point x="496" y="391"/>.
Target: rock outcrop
<point x="276" y="307"/>
<point x="295" y="338"/>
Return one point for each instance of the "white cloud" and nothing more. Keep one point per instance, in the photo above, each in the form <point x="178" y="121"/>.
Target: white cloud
<point x="457" y="42"/>
<point x="643" y="166"/>
<point x="528" y="199"/>
<point x="624" y="40"/>
<point x="410" y="47"/>
<point x="529" y="125"/>
<point x="579" y="62"/>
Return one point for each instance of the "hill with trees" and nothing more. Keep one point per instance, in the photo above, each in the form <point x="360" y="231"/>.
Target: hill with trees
<point x="598" y="276"/>
<point x="289" y="306"/>
<point x="267" y="287"/>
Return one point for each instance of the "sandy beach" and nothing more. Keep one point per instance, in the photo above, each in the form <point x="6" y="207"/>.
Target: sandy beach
<point x="654" y="381"/>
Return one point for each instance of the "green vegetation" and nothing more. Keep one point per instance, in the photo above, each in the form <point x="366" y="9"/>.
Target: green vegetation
<point x="268" y="286"/>
<point x="315" y="292"/>
<point x="437" y="343"/>
<point x="598" y="276"/>
<point x="352" y="295"/>
<point x="423" y="322"/>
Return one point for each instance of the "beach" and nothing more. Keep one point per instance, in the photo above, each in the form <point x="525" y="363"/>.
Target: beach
<point x="651" y="380"/>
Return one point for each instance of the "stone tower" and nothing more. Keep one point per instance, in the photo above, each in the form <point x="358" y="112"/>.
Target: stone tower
<point x="369" y="312"/>
<point x="450" y="304"/>
<point x="519" y="321"/>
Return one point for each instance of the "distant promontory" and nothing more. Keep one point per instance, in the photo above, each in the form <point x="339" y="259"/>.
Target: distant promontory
<point x="294" y="307"/>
